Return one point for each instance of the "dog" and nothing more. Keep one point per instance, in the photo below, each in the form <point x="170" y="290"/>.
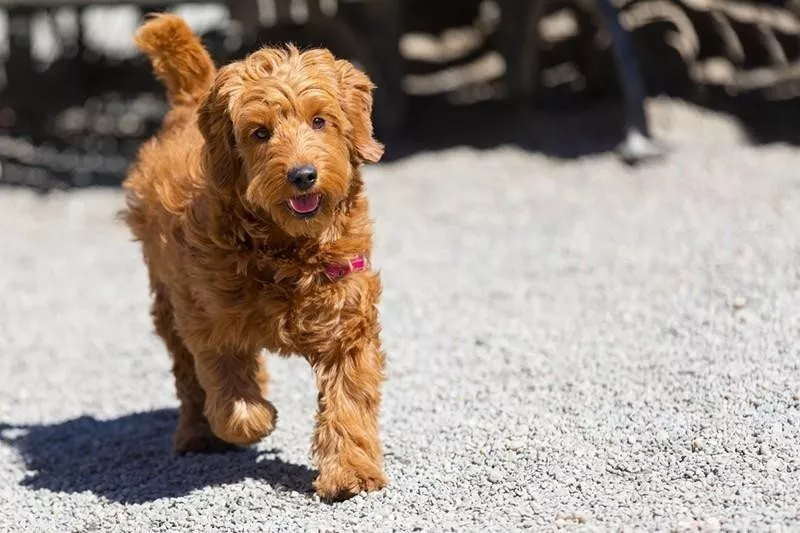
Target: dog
<point x="250" y="208"/>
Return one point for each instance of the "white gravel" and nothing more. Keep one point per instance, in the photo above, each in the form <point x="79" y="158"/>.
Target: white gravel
<point x="571" y="345"/>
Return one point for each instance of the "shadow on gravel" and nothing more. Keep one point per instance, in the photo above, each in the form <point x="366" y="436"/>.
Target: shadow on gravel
<point x="569" y="131"/>
<point x="129" y="459"/>
<point x="565" y="133"/>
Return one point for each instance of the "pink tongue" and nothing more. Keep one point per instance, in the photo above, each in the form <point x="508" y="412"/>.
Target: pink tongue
<point x="304" y="204"/>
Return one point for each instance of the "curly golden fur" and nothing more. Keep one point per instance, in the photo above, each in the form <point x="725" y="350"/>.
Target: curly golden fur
<point x="235" y="268"/>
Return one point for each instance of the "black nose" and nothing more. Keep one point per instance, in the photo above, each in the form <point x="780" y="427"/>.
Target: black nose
<point x="303" y="177"/>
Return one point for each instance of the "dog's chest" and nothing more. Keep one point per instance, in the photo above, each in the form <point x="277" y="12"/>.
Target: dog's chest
<point x="322" y="314"/>
<point x="292" y="309"/>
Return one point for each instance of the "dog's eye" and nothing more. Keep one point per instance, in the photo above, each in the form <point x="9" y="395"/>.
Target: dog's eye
<point x="262" y="134"/>
<point x="318" y="123"/>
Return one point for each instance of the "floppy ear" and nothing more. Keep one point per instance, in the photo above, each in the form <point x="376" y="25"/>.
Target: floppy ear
<point x="356" y="90"/>
<point x="222" y="163"/>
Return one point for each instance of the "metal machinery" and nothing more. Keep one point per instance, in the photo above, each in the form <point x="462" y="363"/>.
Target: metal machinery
<point x="80" y="119"/>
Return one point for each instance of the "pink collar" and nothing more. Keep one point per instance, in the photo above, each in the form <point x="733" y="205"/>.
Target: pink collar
<point x="336" y="271"/>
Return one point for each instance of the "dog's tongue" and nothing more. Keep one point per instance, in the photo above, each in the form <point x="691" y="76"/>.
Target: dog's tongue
<point x="304" y="204"/>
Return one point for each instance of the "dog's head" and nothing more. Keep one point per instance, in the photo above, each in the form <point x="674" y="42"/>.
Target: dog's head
<point x="288" y="130"/>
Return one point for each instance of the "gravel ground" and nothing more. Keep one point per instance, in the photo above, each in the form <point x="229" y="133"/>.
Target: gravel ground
<point x="571" y="345"/>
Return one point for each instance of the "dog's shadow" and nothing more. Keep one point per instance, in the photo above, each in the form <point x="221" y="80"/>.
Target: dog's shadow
<point x="130" y="459"/>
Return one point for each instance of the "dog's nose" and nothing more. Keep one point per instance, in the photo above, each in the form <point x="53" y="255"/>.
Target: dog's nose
<point x="303" y="177"/>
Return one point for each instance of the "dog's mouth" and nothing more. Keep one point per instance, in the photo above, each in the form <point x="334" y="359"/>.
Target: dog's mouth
<point x="304" y="206"/>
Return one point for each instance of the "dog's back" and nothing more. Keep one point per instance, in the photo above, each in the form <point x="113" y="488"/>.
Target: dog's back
<point x="167" y="172"/>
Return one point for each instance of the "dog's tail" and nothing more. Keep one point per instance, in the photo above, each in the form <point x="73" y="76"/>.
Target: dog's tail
<point x="179" y="59"/>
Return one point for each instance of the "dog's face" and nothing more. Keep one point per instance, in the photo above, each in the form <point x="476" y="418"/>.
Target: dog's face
<point x="288" y="129"/>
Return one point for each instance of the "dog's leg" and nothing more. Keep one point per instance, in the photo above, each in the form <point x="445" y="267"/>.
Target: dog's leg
<point x="235" y="386"/>
<point x="193" y="433"/>
<point x="346" y="445"/>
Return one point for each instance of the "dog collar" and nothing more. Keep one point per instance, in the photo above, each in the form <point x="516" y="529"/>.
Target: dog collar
<point x="336" y="271"/>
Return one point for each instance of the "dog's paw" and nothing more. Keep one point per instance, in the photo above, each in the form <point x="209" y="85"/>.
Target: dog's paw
<point x="341" y="483"/>
<point x="201" y="442"/>
<point x="243" y="422"/>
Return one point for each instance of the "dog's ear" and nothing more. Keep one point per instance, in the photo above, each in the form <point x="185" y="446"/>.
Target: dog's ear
<point x="223" y="165"/>
<point x="356" y="90"/>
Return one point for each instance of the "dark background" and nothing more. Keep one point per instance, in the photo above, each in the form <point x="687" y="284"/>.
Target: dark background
<point x="74" y="110"/>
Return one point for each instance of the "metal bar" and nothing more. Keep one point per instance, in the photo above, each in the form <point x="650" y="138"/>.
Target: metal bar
<point x="314" y="10"/>
<point x="283" y="11"/>
<point x="384" y="27"/>
<point x="21" y="90"/>
<point x="40" y="4"/>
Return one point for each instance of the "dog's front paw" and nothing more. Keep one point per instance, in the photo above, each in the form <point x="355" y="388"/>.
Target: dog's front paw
<point x="342" y="482"/>
<point x="242" y="422"/>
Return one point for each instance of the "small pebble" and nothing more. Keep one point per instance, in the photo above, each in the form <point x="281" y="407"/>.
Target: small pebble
<point x="710" y="525"/>
<point x="739" y="302"/>
<point x="698" y="444"/>
<point x="578" y="517"/>
<point x="495" y="476"/>
<point x="746" y="316"/>
<point x="515" y="444"/>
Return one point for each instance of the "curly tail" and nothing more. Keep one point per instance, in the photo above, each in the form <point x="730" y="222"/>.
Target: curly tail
<point x="178" y="57"/>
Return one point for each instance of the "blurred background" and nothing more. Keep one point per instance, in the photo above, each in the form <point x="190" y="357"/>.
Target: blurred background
<point x="76" y="100"/>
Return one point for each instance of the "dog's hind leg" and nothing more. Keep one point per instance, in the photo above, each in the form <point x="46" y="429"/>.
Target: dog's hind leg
<point x="193" y="433"/>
